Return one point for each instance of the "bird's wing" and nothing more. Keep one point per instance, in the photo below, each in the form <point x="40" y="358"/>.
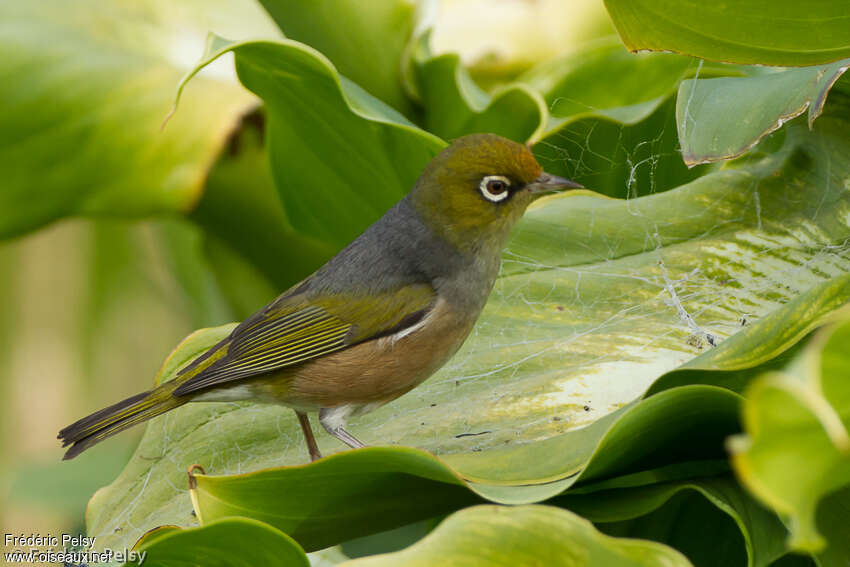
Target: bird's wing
<point x="295" y="329"/>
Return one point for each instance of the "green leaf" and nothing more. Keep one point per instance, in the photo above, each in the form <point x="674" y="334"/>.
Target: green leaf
<point x="833" y="521"/>
<point x="374" y="489"/>
<point x="364" y="40"/>
<point x="612" y="124"/>
<point x="723" y="118"/>
<point x="390" y="540"/>
<point x="769" y="32"/>
<point x="455" y="105"/>
<point x="794" y="560"/>
<point x="642" y="436"/>
<point x="605" y="79"/>
<point x="356" y="155"/>
<point x="359" y="494"/>
<point x="769" y="344"/>
<point x="616" y="158"/>
<point x="797" y="446"/>
<point x="89" y="123"/>
<point x="227" y="543"/>
<point x="624" y="511"/>
<point x="596" y="299"/>
<point x="524" y="535"/>
<point x="690" y="524"/>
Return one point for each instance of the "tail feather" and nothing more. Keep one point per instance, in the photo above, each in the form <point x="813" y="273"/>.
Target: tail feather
<point x="96" y="427"/>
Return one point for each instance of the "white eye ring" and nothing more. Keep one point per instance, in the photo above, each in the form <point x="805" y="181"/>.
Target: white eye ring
<point x="489" y="195"/>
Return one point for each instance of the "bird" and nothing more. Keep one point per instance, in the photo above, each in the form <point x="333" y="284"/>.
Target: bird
<point x="378" y="318"/>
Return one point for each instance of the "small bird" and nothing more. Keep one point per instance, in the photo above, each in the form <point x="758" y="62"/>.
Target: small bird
<point x="378" y="318"/>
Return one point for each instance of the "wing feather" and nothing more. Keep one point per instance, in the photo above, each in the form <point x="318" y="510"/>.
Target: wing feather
<point x="293" y="330"/>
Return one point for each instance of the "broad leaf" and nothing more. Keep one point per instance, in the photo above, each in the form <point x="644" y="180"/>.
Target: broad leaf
<point x="390" y="540"/>
<point x="339" y="156"/>
<point x="364" y="40"/>
<point x="722" y="118"/>
<point x="833" y="521"/>
<point x="232" y="542"/>
<point x="612" y="125"/>
<point x="605" y="79"/>
<point x="92" y="128"/>
<point x="770" y="32"/>
<point x="797" y="448"/>
<point x="338" y="498"/>
<point x="762" y="533"/>
<point x="616" y="158"/>
<point x="525" y="535"/>
<point x="645" y="435"/>
<point x="454" y="105"/>
<point x="769" y="344"/>
<point x="373" y="489"/>
<point x="690" y="524"/>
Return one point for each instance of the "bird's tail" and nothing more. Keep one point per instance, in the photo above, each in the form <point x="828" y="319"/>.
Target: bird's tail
<point x="98" y="426"/>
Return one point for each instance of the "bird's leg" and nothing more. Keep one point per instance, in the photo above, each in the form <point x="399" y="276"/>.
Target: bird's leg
<point x="308" y="436"/>
<point x="334" y="420"/>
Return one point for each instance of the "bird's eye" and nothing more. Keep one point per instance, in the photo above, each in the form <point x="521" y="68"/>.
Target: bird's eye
<point x="495" y="188"/>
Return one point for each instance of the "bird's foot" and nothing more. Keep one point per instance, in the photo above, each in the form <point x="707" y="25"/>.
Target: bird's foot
<point x="333" y="420"/>
<point x="346" y="437"/>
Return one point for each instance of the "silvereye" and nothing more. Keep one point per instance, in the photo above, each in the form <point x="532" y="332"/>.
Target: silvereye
<point x="377" y="319"/>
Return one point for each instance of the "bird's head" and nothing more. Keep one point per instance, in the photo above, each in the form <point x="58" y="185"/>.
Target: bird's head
<point x="474" y="191"/>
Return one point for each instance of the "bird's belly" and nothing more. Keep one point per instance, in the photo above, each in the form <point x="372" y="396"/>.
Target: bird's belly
<point x="376" y="371"/>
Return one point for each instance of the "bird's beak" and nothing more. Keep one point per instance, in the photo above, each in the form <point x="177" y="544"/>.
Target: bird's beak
<point x="547" y="183"/>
